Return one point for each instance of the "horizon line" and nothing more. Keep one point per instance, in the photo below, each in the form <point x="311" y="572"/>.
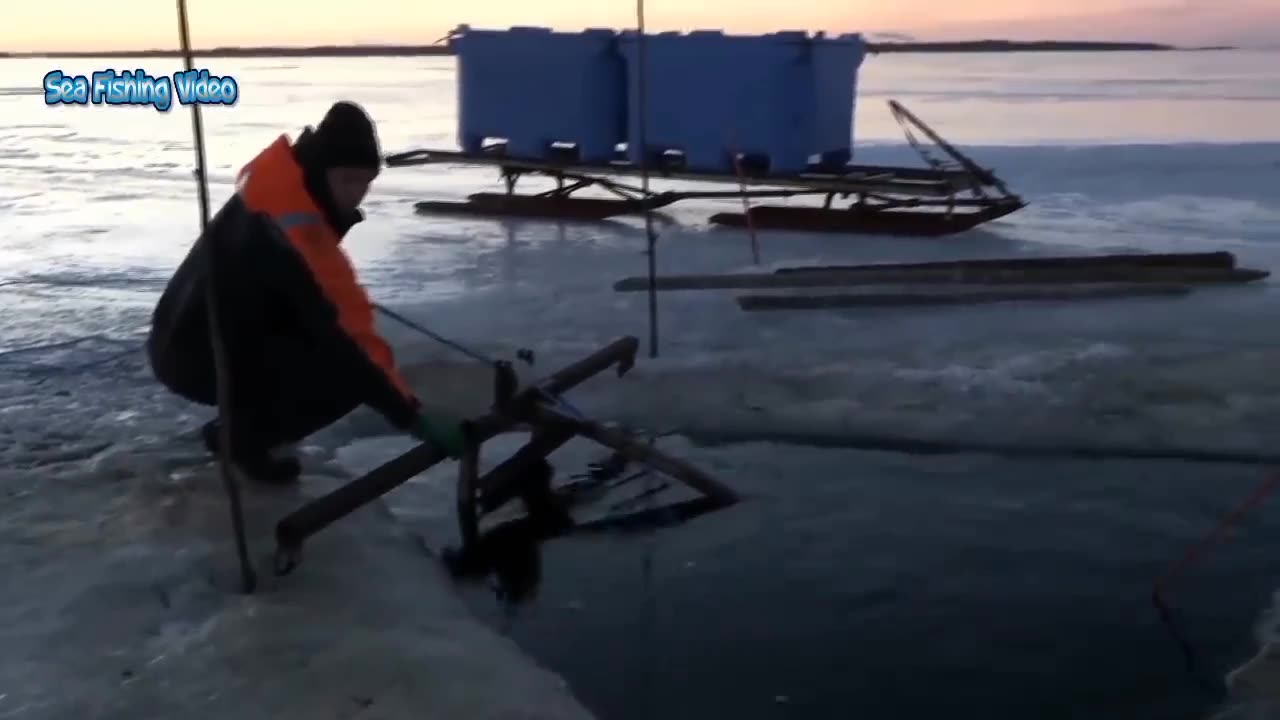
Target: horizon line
<point x="408" y="49"/>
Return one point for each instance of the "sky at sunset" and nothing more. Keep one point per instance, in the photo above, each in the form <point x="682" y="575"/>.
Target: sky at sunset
<point x="138" y="24"/>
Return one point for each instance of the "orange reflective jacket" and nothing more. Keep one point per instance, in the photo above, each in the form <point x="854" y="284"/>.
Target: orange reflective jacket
<point x="272" y="185"/>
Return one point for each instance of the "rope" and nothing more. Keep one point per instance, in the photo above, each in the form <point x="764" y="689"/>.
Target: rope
<point x="247" y="576"/>
<point x="463" y="349"/>
<point x="1197" y="551"/>
<point x="476" y="355"/>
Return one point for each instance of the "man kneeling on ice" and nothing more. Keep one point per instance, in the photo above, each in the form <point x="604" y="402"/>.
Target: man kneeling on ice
<point x="302" y="349"/>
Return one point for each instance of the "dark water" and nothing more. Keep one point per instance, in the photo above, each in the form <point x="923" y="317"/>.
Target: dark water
<point x="856" y="584"/>
<point x="877" y="585"/>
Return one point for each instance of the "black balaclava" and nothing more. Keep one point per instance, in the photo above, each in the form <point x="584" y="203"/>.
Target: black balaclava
<point x="345" y="137"/>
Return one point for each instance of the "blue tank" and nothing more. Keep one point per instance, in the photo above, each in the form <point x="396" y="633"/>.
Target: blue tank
<point x="533" y="87"/>
<point x="776" y="99"/>
<point x="835" y="85"/>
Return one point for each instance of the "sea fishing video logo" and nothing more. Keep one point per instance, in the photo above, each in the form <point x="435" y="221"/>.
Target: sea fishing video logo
<point x="138" y="88"/>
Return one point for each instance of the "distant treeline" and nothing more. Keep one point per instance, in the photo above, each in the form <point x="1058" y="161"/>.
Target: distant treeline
<point x="422" y="50"/>
<point x="253" y="52"/>
<point x="1013" y="46"/>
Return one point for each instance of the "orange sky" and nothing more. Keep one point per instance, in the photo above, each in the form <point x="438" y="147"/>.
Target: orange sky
<point x="125" y="24"/>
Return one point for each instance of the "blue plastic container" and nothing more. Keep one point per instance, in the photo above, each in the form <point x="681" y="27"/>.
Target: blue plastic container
<point x="533" y="87"/>
<point x="711" y="95"/>
<point x="779" y="98"/>
<point x="835" y="64"/>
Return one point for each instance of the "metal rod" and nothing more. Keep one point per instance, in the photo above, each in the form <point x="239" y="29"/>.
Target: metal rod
<point x="502" y="484"/>
<point x="293" y="530"/>
<point x="853" y="178"/>
<point x="746" y="208"/>
<point x="981" y="174"/>
<point x="468" y="479"/>
<point x="248" y="577"/>
<point x="640" y="452"/>
<point x="642" y="102"/>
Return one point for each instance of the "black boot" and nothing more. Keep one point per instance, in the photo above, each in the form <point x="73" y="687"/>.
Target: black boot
<point x="255" y="463"/>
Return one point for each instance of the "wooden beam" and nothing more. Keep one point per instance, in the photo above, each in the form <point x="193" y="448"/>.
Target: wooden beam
<point x="1219" y="259"/>
<point x="756" y="303"/>
<point x="944" y="276"/>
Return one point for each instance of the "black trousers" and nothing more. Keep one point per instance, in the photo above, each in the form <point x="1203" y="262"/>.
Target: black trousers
<point x="282" y="388"/>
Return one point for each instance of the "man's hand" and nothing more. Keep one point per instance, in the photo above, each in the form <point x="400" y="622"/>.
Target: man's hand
<point x="440" y="428"/>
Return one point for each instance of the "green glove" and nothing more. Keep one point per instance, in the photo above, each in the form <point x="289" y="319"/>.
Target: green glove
<point x="440" y="428"/>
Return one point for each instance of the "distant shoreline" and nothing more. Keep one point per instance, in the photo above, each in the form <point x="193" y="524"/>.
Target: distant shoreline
<point x="968" y="46"/>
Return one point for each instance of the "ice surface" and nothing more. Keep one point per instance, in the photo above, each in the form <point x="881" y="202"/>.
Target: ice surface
<point x="122" y="603"/>
<point x="110" y="513"/>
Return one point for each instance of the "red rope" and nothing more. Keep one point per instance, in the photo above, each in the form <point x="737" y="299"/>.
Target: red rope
<point x="1196" y="551"/>
<point x="1189" y="558"/>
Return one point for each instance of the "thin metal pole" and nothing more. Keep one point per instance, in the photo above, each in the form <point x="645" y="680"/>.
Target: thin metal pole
<point x="746" y="207"/>
<point x="248" y="577"/>
<point x="642" y="98"/>
<point x="642" y="106"/>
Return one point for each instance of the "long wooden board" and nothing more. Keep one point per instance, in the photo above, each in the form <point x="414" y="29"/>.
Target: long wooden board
<point x="1219" y="259"/>
<point x="757" y="303"/>
<point x="943" y="276"/>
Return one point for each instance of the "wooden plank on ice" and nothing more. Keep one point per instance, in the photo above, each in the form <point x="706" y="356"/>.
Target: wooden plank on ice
<point x="944" y="276"/>
<point x="756" y="303"/>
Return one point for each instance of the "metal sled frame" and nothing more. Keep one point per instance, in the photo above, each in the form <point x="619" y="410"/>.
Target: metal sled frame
<point x="478" y="495"/>
<point x="949" y="196"/>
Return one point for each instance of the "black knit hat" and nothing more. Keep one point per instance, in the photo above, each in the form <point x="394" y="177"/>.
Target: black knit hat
<point x="346" y="137"/>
